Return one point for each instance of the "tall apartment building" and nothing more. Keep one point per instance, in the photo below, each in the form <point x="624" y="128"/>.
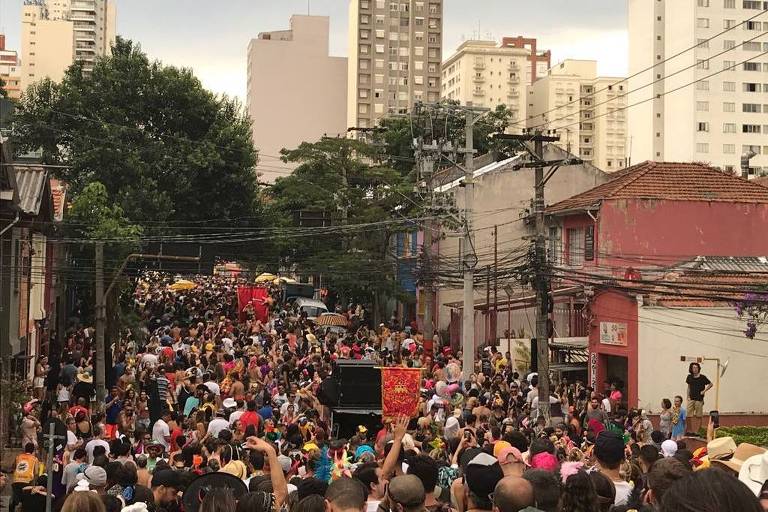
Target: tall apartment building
<point x="296" y="91"/>
<point x="539" y="60"/>
<point x="587" y="111"/>
<point x="56" y="33"/>
<point x="721" y="109"/>
<point x="484" y="74"/>
<point x="10" y="70"/>
<point x="395" y="49"/>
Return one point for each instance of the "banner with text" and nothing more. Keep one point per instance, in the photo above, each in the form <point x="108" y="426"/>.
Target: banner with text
<point x="400" y="392"/>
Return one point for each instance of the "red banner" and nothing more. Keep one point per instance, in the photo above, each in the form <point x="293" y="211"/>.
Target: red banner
<point x="256" y="296"/>
<point x="400" y="392"/>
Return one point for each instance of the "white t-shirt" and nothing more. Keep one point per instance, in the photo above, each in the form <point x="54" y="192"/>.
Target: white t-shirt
<point x="217" y="425"/>
<point x="607" y="405"/>
<point x="63" y="394"/>
<point x="160" y="431"/>
<point x="372" y="505"/>
<point x="235" y="416"/>
<point x="71" y="439"/>
<point x="623" y="490"/>
<point x="93" y="443"/>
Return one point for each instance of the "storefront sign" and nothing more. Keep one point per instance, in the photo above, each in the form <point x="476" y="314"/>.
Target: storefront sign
<point x="593" y="370"/>
<point x="613" y="333"/>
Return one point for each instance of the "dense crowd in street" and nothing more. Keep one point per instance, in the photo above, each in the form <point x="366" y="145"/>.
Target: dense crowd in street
<point x="212" y="408"/>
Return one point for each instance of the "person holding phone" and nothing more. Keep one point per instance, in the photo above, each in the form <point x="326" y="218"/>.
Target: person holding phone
<point x="698" y="385"/>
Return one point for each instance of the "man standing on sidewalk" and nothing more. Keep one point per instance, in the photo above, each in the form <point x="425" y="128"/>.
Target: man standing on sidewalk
<point x="698" y="384"/>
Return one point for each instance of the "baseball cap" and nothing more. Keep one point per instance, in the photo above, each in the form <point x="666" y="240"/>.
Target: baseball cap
<point x="96" y="476"/>
<point x="482" y="474"/>
<point x="509" y="455"/>
<point x="166" y="478"/>
<point x="609" y="447"/>
<point x="285" y="463"/>
<point x="229" y="403"/>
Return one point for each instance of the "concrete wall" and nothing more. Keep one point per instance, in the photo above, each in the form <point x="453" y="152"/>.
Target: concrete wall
<point x="673" y="231"/>
<point x="666" y="334"/>
<point x="296" y="92"/>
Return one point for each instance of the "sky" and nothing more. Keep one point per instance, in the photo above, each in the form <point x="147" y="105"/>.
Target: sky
<point x="212" y="37"/>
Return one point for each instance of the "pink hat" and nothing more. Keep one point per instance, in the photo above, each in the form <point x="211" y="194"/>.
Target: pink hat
<point x="509" y="455"/>
<point x="545" y="461"/>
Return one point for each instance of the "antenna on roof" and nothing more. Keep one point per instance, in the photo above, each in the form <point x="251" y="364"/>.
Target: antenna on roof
<point x="308" y="6"/>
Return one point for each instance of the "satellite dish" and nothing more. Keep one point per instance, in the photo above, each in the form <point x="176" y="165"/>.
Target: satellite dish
<point x="724" y="367"/>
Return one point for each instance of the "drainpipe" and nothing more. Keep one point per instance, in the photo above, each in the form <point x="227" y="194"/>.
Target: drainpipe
<point x="745" y="158"/>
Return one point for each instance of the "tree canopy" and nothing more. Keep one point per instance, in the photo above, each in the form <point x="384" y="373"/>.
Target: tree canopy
<point x="163" y="147"/>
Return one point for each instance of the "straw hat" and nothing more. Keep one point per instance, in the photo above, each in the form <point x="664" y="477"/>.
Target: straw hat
<point x="754" y="472"/>
<point x="721" y="448"/>
<point x="85" y="376"/>
<point x="743" y="452"/>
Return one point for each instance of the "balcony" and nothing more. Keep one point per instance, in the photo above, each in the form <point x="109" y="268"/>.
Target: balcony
<point x="479" y="79"/>
<point x="478" y="92"/>
<point x="513" y="79"/>
<point x="513" y="94"/>
<point x="479" y="65"/>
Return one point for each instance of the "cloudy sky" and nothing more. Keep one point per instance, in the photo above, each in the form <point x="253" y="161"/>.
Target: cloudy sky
<point x="212" y="37"/>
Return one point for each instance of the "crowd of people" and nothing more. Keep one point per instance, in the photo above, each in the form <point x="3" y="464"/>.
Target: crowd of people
<point x="210" y="407"/>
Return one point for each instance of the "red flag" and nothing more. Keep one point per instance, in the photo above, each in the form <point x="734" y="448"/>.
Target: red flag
<point x="400" y="392"/>
<point x="257" y="297"/>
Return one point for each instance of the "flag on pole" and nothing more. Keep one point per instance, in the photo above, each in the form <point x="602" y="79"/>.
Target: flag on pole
<point x="400" y="392"/>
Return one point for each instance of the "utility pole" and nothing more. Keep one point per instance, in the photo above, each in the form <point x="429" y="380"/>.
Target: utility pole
<point x="100" y="377"/>
<point x="495" y="318"/>
<point x="468" y="259"/>
<point x="51" y="437"/>
<point x="539" y="264"/>
<point x="542" y="282"/>
<point x="426" y="169"/>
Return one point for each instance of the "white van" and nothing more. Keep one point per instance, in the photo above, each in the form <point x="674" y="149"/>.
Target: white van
<point x="312" y="307"/>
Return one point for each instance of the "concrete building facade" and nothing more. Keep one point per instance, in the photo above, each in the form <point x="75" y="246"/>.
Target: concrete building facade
<point x="485" y="74"/>
<point x="705" y="107"/>
<point x="540" y="60"/>
<point x="502" y="200"/>
<point x="296" y="91"/>
<point x="56" y="33"/>
<point x="587" y="111"/>
<point x="395" y="50"/>
<point x="10" y="70"/>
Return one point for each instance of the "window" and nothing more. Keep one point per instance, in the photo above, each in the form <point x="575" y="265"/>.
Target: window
<point x="380" y="34"/>
<point x="751" y="108"/>
<point x="702" y="86"/>
<point x="729" y="23"/>
<point x="755" y="149"/>
<point x="729" y="44"/>
<point x="729" y="128"/>
<point x="702" y="106"/>
<point x="701" y="127"/>
<point x="703" y="3"/>
<point x="702" y="43"/>
<point x="753" y="25"/>
<point x="554" y="245"/>
<point x="752" y="46"/>
<point x="729" y="65"/>
<point x="702" y="22"/>
<point x="729" y="107"/>
<point x="753" y="4"/>
<point x="729" y="4"/>
<point x="751" y="87"/>
<point x="729" y="149"/>
<point x="702" y="63"/>
<point x="750" y="128"/>
<point x="575" y="243"/>
<point x="751" y="66"/>
<point x="729" y="86"/>
<point x="702" y="147"/>
<point x="379" y="48"/>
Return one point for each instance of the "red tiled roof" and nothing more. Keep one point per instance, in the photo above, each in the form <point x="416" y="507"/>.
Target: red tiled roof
<point x="762" y="180"/>
<point x="669" y="181"/>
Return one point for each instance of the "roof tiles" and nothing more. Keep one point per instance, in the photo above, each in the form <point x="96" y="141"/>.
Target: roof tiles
<point x="668" y="181"/>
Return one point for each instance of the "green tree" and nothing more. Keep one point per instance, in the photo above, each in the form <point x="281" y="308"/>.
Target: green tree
<point x="3" y="92"/>
<point x="163" y="147"/>
<point x="343" y="178"/>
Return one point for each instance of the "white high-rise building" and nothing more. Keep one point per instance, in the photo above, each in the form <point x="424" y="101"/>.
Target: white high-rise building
<point x="395" y="50"/>
<point x="56" y="33"/>
<point x="716" y="118"/>
<point x="484" y="74"/>
<point x="587" y="111"/>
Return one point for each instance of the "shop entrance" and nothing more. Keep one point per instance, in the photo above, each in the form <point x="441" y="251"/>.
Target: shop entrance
<point x="616" y="370"/>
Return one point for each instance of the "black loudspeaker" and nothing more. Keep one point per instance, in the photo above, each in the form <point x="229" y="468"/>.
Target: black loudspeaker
<point x="328" y="392"/>
<point x="345" y="424"/>
<point x="359" y="384"/>
<point x="534" y="358"/>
